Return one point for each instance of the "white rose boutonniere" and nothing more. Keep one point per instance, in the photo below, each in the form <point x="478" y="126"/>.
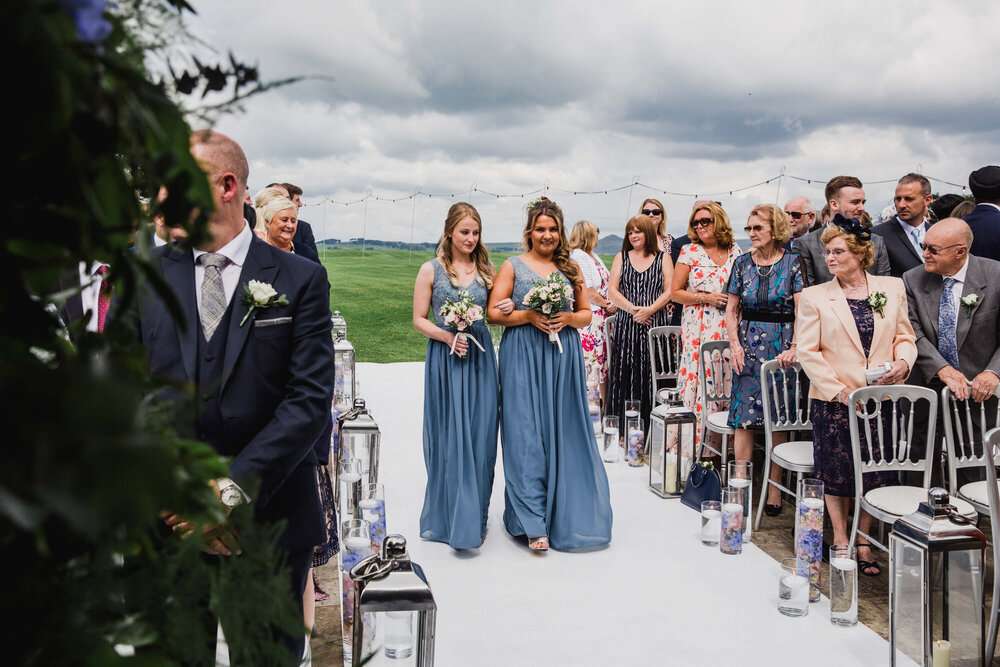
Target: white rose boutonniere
<point x="970" y="301"/>
<point x="260" y="295"/>
<point x="877" y="301"/>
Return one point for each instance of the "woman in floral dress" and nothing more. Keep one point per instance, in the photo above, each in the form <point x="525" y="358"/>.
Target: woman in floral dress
<point x="699" y="284"/>
<point x="596" y="277"/>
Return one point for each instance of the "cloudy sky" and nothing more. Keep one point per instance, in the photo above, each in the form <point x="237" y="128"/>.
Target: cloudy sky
<point x="692" y="98"/>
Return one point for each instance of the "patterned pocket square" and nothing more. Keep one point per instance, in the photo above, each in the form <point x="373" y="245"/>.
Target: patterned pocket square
<point x="272" y="322"/>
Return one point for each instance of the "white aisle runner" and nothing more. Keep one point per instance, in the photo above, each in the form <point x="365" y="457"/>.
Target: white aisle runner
<point x="654" y="596"/>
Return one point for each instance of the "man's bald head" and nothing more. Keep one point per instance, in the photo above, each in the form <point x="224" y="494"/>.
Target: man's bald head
<point x="946" y="246"/>
<point x="226" y="166"/>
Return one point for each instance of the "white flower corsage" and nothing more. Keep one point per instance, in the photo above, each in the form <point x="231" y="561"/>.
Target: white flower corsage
<point x="260" y="295"/>
<point x="877" y="301"/>
<point x="970" y="301"/>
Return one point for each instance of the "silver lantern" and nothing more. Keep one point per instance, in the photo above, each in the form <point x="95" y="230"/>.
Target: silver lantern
<point x="670" y="429"/>
<point x="936" y="584"/>
<point x="394" y="590"/>
<point x="360" y="439"/>
<point x="338" y="328"/>
<point x="344" y="383"/>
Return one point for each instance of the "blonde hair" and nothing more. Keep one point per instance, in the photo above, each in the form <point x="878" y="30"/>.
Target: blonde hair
<point x="662" y="227"/>
<point x="781" y="226"/>
<point x="260" y="200"/>
<point x="480" y="254"/>
<point x="560" y="256"/>
<point x="583" y="236"/>
<point x="274" y="206"/>
<point x="720" y="224"/>
<point x="863" y="250"/>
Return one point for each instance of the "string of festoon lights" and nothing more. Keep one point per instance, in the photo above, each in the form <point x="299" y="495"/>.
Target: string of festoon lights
<point x="636" y="183"/>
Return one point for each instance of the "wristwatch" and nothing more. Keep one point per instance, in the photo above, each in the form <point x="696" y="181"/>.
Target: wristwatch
<point x="230" y="494"/>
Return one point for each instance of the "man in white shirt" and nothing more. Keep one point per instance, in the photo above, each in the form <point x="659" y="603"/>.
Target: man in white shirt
<point x="905" y="232"/>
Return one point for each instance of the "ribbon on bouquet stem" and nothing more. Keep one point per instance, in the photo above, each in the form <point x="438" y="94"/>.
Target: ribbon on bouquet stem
<point x="465" y="336"/>
<point x="554" y="338"/>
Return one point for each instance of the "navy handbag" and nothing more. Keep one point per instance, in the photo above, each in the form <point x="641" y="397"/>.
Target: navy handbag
<point x="703" y="483"/>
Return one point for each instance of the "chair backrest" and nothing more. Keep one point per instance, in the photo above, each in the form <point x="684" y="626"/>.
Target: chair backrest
<point x="664" y="357"/>
<point x="993" y="494"/>
<point x="884" y="416"/>
<point x="609" y="335"/>
<point x="714" y="355"/>
<point x="785" y="396"/>
<point x="965" y="425"/>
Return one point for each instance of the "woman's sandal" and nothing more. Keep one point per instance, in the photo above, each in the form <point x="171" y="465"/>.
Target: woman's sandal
<point x="869" y="568"/>
<point x="772" y="510"/>
<point x="539" y="544"/>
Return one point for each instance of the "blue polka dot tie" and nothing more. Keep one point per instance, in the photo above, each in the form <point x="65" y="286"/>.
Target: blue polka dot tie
<point x="947" y="322"/>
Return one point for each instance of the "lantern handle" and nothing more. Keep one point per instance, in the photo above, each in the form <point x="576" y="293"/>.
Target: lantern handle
<point x="373" y="567"/>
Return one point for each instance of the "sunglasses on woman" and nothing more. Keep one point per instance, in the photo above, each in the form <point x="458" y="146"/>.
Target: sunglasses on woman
<point x="702" y="222"/>
<point x="652" y="211"/>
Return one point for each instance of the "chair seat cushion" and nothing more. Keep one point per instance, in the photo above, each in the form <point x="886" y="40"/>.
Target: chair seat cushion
<point x="796" y="452"/>
<point x="901" y="500"/>
<point x="718" y="422"/>
<point x="976" y="492"/>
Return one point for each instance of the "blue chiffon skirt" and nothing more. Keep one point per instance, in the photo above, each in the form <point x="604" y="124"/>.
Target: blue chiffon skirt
<point x="556" y="484"/>
<point x="461" y="417"/>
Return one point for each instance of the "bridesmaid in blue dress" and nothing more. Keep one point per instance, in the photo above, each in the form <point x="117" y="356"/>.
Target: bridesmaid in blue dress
<point x="556" y="487"/>
<point x="461" y="401"/>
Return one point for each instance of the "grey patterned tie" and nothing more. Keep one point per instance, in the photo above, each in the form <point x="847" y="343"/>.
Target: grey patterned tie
<point x="213" y="294"/>
<point x="947" y="322"/>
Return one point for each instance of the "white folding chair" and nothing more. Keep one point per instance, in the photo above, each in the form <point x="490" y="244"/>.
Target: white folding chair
<point x="664" y="356"/>
<point x="964" y="445"/>
<point x="889" y="449"/>
<point x="715" y="356"/>
<point x="993" y="496"/>
<point x="785" y="395"/>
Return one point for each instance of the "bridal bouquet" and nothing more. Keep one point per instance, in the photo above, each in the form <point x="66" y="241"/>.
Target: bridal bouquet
<point x="460" y="314"/>
<point x="548" y="297"/>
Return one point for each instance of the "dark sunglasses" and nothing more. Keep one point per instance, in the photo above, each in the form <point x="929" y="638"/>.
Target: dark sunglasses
<point x="652" y="211"/>
<point x="795" y="215"/>
<point x="755" y="228"/>
<point x="936" y="251"/>
<point x="703" y="222"/>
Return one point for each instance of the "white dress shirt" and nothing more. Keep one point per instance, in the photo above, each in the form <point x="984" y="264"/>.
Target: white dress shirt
<point x="91" y="292"/>
<point x="236" y="252"/>
<point x="956" y="289"/>
<point x="157" y="241"/>
<point x="915" y="234"/>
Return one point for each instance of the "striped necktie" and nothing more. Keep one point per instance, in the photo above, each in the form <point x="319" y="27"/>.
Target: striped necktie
<point x="213" y="294"/>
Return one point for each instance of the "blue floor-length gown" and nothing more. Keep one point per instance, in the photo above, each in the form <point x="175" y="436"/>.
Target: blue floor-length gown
<point x="461" y="418"/>
<point x="556" y="484"/>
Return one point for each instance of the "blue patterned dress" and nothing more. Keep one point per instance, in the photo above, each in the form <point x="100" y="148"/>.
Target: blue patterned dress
<point x="555" y="482"/>
<point x="767" y="302"/>
<point x="461" y="417"/>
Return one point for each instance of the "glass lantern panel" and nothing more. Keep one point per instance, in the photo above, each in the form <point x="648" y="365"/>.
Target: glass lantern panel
<point x="907" y="604"/>
<point x="397" y="639"/>
<point x="962" y="597"/>
<point x="656" y="443"/>
<point x="356" y="445"/>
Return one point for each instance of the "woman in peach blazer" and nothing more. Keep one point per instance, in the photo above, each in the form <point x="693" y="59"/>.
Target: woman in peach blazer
<point x="840" y="334"/>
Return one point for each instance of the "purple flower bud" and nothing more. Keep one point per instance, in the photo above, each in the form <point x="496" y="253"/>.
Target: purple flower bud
<point x="91" y="26"/>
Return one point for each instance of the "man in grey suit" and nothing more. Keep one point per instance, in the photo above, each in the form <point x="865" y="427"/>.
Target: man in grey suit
<point x="904" y="233"/>
<point x="954" y="302"/>
<point x="845" y="195"/>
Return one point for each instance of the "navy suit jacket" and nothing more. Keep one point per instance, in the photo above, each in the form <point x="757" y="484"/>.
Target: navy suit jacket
<point x="277" y="383"/>
<point x="304" y="236"/>
<point x="902" y="255"/>
<point x="985" y="223"/>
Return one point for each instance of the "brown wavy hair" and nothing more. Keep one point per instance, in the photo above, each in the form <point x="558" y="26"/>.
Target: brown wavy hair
<point x="560" y="256"/>
<point x="480" y="254"/>
<point x="863" y="250"/>
<point x="644" y="224"/>
<point x="720" y="225"/>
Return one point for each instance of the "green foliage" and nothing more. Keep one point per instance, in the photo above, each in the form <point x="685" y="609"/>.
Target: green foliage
<point x="90" y="456"/>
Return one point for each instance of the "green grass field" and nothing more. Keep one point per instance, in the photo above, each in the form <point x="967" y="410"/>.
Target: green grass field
<point x="375" y="296"/>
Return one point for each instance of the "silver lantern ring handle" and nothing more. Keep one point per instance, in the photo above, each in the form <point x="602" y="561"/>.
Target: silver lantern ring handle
<point x="372" y="568"/>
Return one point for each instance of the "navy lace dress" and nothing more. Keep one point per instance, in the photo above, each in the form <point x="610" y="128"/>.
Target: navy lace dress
<point x="832" y="457"/>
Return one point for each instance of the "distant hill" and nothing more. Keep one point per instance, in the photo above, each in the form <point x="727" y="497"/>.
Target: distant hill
<point x="609" y="245"/>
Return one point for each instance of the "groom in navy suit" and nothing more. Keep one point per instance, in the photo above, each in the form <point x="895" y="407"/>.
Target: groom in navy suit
<point x="263" y="375"/>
